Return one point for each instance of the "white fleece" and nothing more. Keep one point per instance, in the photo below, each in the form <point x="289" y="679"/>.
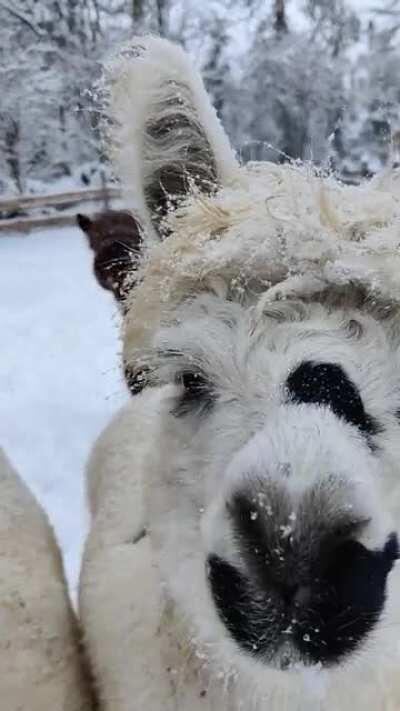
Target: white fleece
<point x="41" y="666"/>
<point x="142" y="653"/>
<point x="119" y="594"/>
<point x="139" y="650"/>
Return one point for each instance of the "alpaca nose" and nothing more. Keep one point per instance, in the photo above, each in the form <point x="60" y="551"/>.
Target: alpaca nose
<point x="284" y="550"/>
<point x="266" y="533"/>
<point x="300" y="581"/>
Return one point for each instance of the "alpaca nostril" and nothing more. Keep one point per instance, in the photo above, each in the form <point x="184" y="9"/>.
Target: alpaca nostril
<point x="295" y="595"/>
<point x="288" y="594"/>
<point x="339" y="536"/>
<point x="302" y="596"/>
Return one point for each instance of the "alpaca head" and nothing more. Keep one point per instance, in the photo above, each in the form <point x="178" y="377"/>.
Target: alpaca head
<point x="273" y="491"/>
<point x="115" y="238"/>
<point x="274" y="496"/>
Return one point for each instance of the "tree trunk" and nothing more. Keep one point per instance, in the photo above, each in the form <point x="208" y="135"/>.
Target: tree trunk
<point x="13" y="153"/>
<point x="162" y="17"/>
<point x="138" y="13"/>
<point x="280" y="22"/>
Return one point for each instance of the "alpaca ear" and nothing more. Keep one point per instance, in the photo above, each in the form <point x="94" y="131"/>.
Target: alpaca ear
<point x="116" y="241"/>
<point x="166" y="138"/>
<point x="84" y="222"/>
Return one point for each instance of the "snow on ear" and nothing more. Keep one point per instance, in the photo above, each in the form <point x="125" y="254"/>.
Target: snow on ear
<point x="165" y="136"/>
<point x="115" y="238"/>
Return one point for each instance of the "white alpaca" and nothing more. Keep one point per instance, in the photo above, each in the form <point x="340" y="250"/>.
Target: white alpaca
<point x="40" y="660"/>
<point x="118" y="559"/>
<point x="261" y="458"/>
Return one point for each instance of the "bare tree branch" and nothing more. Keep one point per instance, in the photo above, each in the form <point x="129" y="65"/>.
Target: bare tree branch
<point x="22" y="18"/>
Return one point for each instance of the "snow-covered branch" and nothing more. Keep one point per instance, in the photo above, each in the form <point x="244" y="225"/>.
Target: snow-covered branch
<point x="23" y="18"/>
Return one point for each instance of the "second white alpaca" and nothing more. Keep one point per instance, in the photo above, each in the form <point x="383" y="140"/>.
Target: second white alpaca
<point x="41" y="661"/>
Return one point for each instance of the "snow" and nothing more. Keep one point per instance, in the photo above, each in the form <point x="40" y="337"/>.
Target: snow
<point x="59" y="376"/>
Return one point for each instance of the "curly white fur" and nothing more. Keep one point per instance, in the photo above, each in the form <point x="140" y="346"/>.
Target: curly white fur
<point x="284" y="231"/>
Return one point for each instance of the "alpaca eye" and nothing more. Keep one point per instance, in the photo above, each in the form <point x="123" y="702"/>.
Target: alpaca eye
<point x="197" y="393"/>
<point x="193" y="382"/>
<point x="136" y="380"/>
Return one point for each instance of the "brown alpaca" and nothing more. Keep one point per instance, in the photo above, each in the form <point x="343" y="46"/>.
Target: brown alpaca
<point x="114" y="236"/>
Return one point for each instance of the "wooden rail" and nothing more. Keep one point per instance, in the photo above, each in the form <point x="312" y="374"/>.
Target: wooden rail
<point x="64" y="200"/>
<point x="32" y="201"/>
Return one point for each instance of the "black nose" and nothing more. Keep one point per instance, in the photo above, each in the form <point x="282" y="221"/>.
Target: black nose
<point x="317" y="589"/>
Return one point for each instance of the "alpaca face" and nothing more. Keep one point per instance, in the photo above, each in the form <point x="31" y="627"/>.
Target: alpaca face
<point x="275" y="512"/>
<point x="271" y="490"/>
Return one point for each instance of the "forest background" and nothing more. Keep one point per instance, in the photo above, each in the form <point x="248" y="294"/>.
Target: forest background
<point x="309" y="79"/>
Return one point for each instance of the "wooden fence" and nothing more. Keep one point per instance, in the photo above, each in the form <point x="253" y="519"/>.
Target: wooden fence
<point x="18" y="214"/>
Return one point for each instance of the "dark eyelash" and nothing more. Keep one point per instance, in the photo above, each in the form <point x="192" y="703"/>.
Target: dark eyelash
<point x="136" y="380"/>
<point x="197" y="394"/>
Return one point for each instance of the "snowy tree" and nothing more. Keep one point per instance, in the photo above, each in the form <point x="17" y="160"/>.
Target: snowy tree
<point x="216" y="68"/>
<point x="47" y="57"/>
<point x="372" y="112"/>
<point x="151" y="16"/>
<point x="308" y="78"/>
<point x="295" y="90"/>
<point x="334" y="23"/>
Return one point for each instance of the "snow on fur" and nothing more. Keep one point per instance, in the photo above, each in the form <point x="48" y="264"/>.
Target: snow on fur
<point x="286" y="230"/>
<point x="283" y="231"/>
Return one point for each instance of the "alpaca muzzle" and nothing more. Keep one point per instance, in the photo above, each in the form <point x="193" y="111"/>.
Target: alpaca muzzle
<point x="303" y="588"/>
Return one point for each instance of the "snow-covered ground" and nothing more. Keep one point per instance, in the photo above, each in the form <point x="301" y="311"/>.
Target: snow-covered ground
<point x="59" y="376"/>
